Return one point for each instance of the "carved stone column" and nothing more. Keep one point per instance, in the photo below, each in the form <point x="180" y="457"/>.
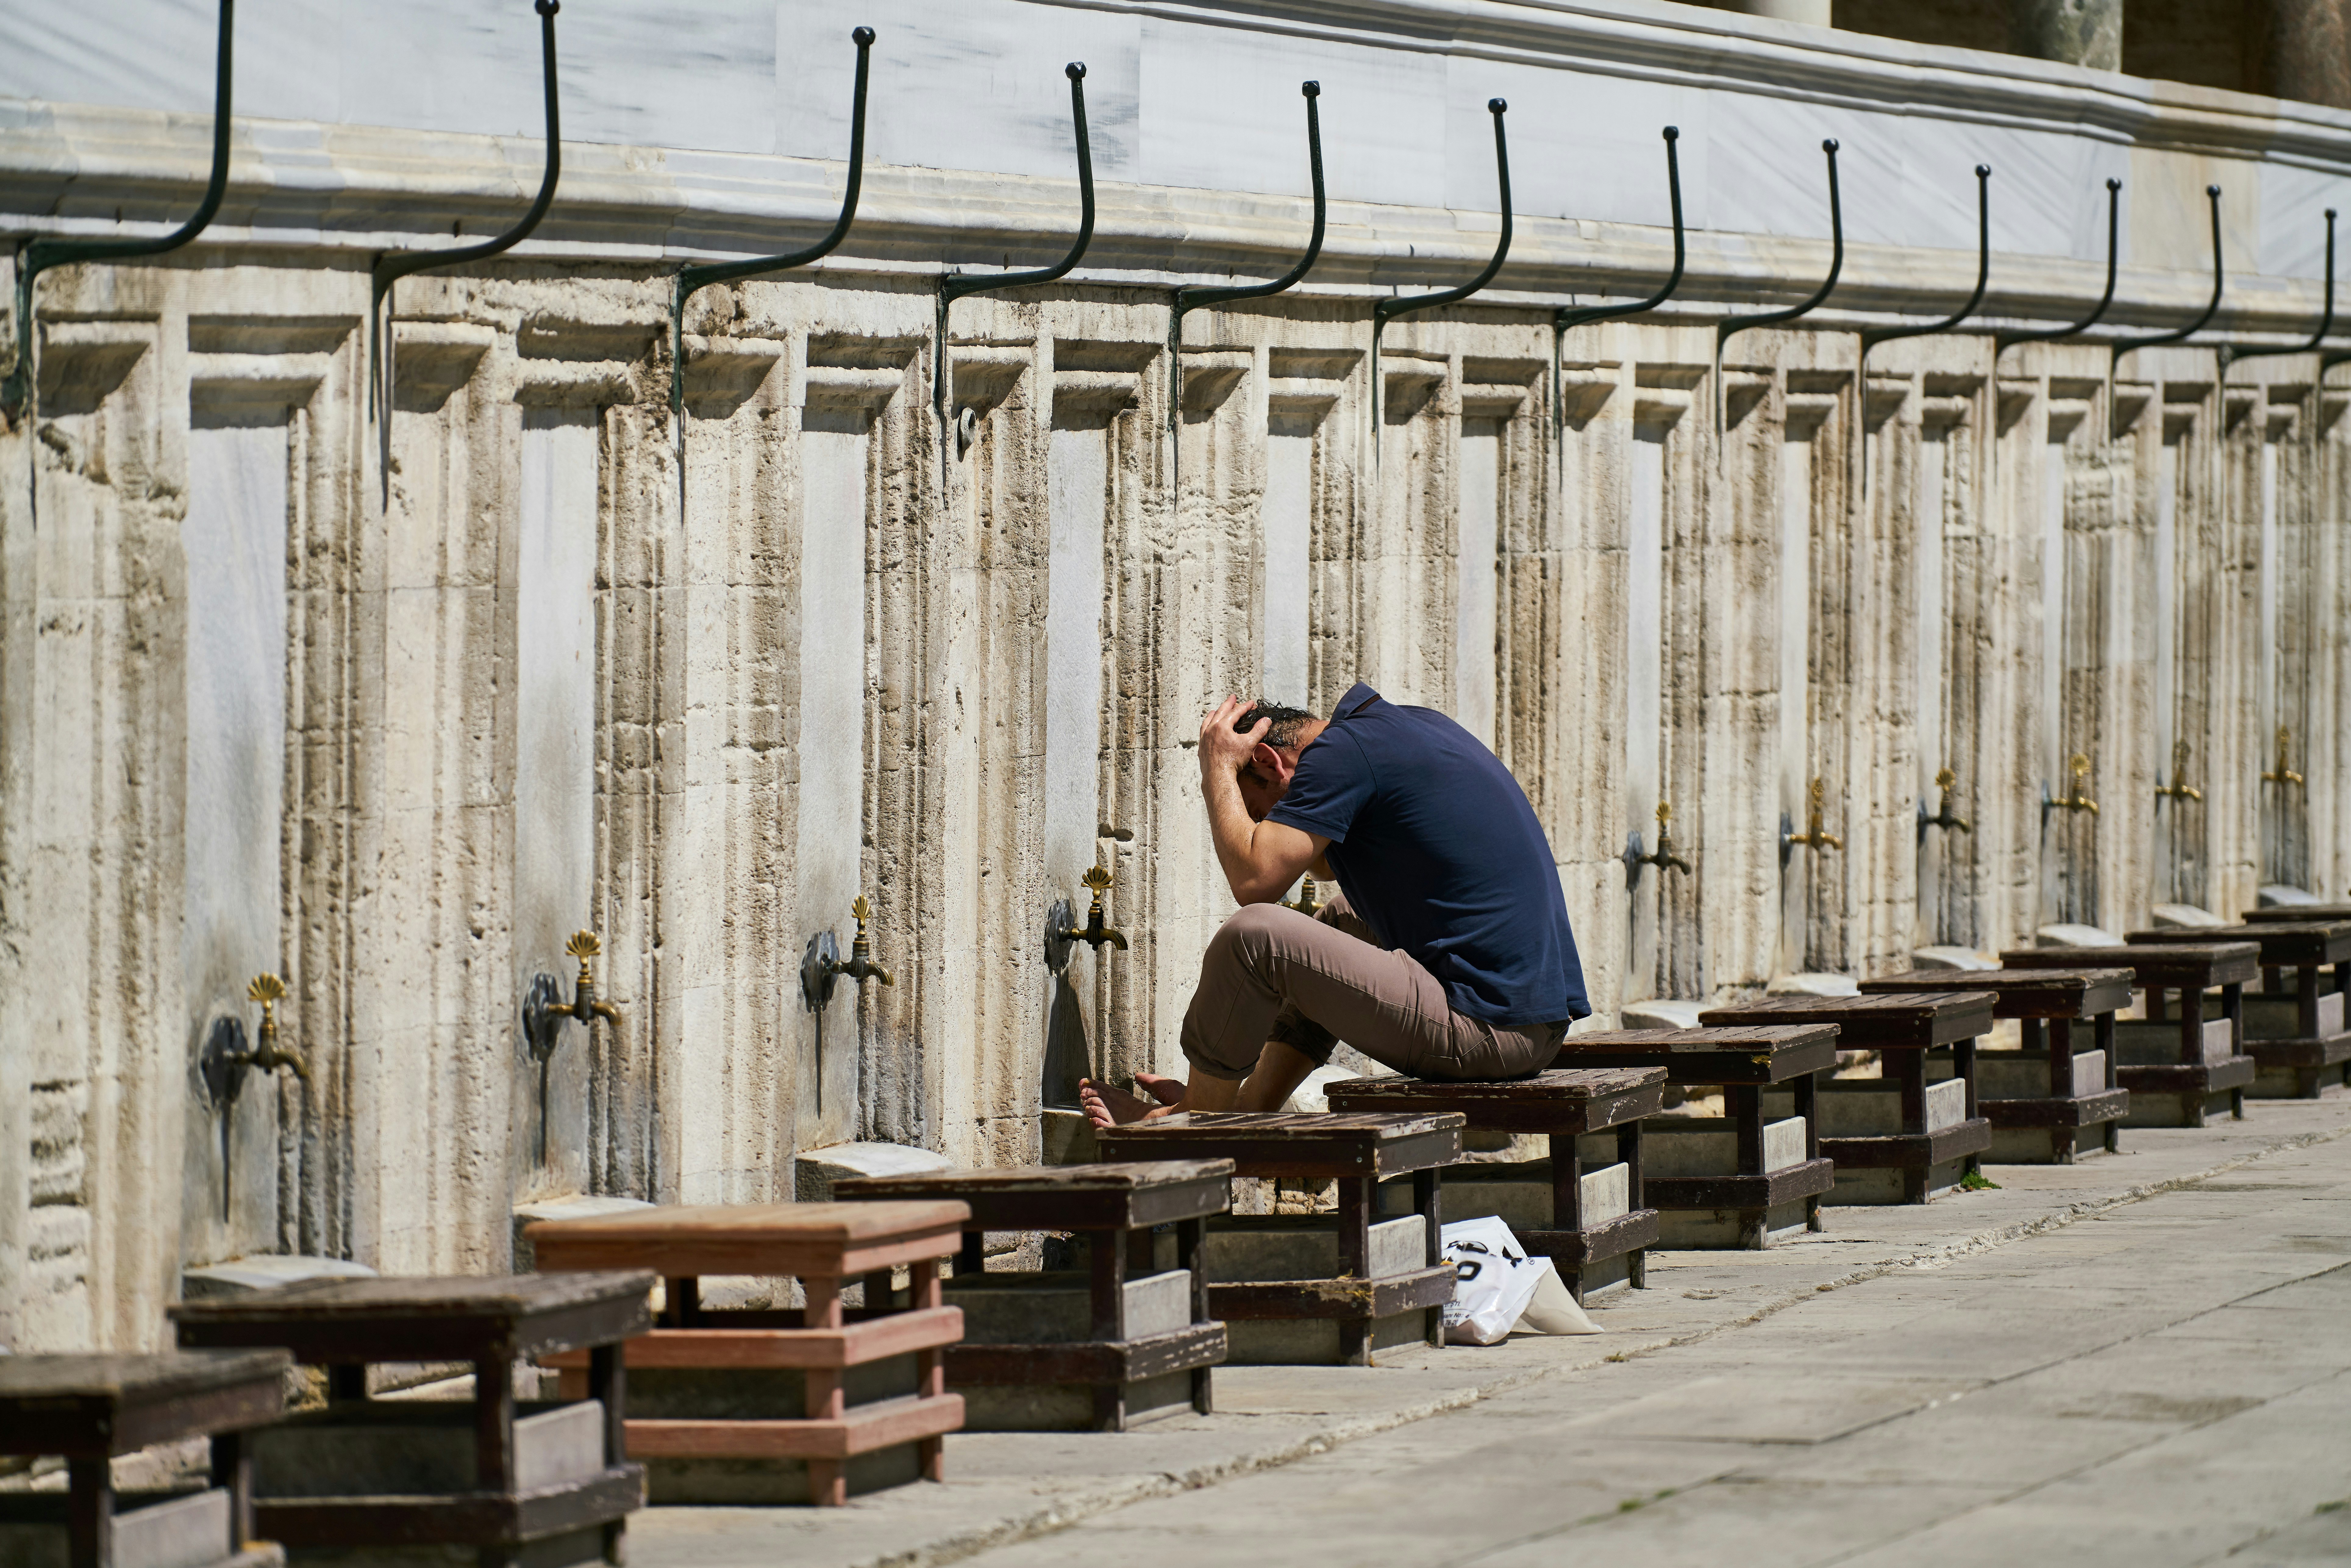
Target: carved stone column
<point x="2078" y="32"/>
<point x="2299" y="49"/>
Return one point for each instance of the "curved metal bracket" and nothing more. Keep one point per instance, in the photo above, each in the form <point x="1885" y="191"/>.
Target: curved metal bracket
<point x="1060" y="920"/>
<point x="2230" y="353"/>
<point x="691" y="279"/>
<point x="818" y="966"/>
<point x="1189" y="299"/>
<point x="2001" y="340"/>
<point x="1725" y="329"/>
<point x="957" y="286"/>
<point x="16" y="389"/>
<point x="223" y="1060"/>
<point x="1386" y="310"/>
<point x="1568" y="317"/>
<point x="1877" y="335"/>
<point x="390" y="269"/>
<point x="2125" y="345"/>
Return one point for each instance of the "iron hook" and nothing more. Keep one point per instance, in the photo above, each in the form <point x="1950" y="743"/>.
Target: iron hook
<point x="16" y="389"/>
<point x="2125" y="345"/>
<point x="1385" y="310"/>
<point x="1189" y="299"/>
<point x="692" y="279"/>
<point x="1568" y="317"/>
<point x="1875" y="336"/>
<point x="2230" y="353"/>
<point x="1725" y="329"/>
<point x="2000" y="340"/>
<point x="390" y="270"/>
<point x="956" y="285"/>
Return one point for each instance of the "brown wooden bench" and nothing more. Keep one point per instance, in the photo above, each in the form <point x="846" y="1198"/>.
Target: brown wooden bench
<point x="1044" y="1351"/>
<point x="2297" y="913"/>
<point x="2056" y="1118"/>
<point x="2178" y="1069"/>
<point x="1357" y="1152"/>
<point x="2296" y="1033"/>
<point x="1730" y="1180"/>
<point x="491" y="1473"/>
<point x="87" y="1408"/>
<point x="1564" y="1105"/>
<point x="1935" y="1131"/>
<point x="824" y="1399"/>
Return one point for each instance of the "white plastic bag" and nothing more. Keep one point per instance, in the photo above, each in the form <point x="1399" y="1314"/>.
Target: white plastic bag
<point x="1494" y="1279"/>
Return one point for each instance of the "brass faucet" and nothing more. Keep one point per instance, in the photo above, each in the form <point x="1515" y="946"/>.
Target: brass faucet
<point x="1815" y="835"/>
<point x="2079" y="801"/>
<point x="860" y="965"/>
<point x="1093" y="933"/>
<point x="1944" y="780"/>
<point x="584" y="1005"/>
<point x="2281" y="774"/>
<point x="1635" y="859"/>
<point x="2178" y="789"/>
<point x="1307" y="903"/>
<point x="268" y="990"/>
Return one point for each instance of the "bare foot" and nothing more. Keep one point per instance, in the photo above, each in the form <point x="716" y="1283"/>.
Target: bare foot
<point x="1106" y="1106"/>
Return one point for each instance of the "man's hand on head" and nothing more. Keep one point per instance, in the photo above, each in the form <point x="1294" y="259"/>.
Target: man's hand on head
<point x="1223" y="753"/>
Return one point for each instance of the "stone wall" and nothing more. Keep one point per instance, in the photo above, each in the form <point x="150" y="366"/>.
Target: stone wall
<point x="568" y="661"/>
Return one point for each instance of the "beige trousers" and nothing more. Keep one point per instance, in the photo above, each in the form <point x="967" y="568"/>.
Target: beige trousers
<point x="1272" y="974"/>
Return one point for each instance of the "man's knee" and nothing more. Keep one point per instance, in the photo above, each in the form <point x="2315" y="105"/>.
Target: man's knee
<point x="1248" y="934"/>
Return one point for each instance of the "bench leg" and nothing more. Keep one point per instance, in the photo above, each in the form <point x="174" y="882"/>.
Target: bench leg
<point x="1355" y="1263"/>
<point x="89" y="1517"/>
<point x="1189" y="1234"/>
<point x="233" y="1473"/>
<point x="1744" y="1104"/>
<point x="923" y="1292"/>
<point x="1567" y="1200"/>
<point x="1429" y="1203"/>
<point x="1806" y="1093"/>
<point x="828" y="1483"/>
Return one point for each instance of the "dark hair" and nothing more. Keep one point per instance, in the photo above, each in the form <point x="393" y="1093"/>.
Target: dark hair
<point x="1287" y="721"/>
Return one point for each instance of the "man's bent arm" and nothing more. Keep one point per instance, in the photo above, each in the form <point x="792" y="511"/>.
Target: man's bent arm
<point x="1261" y="860"/>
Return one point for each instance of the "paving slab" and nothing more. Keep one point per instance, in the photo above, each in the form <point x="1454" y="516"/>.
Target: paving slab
<point x="1932" y="1377"/>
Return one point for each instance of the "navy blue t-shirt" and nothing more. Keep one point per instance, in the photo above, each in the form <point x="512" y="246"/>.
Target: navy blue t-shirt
<point x="1438" y="849"/>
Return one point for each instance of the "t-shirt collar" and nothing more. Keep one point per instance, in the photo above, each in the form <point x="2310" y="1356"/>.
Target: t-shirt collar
<point x="1359" y="695"/>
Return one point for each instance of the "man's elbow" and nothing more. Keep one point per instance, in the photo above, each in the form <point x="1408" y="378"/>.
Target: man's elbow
<point x="1259" y="890"/>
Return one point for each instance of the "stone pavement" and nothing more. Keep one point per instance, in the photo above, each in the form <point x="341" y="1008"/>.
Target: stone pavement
<point x="2141" y="1358"/>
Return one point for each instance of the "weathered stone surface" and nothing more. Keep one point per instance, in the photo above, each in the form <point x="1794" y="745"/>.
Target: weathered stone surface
<point x="2024" y="1074"/>
<point x="239" y="1275"/>
<point x="1276" y="1246"/>
<point x="1057" y="1308"/>
<point x="815" y="1172"/>
<point x="1708" y="1147"/>
<point x="1862" y="1107"/>
<point x="186" y="1531"/>
<point x="416" y="1446"/>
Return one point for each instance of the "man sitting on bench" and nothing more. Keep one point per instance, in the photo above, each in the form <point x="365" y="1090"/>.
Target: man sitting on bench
<point x="1447" y="954"/>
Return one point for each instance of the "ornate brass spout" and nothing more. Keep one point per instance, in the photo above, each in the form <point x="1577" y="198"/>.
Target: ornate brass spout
<point x="544" y="1010"/>
<point x="584" y="1005"/>
<point x="1093" y="933"/>
<point x="2281" y="774"/>
<point x="861" y="966"/>
<point x="268" y="990"/>
<point x="2079" y="801"/>
<point x="1815" y="835"/>
<point x="1307" y="903"/>
<point x="1664" y="857"/>
<point x="2178" y="789"/>
<point x="1944" y="780"/>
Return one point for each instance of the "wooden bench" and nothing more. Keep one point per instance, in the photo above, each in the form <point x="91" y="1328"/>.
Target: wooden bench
<point x="1581" y="1228"/>
<point x="1375" y="1283"/>
<point x="1927" y="1133"/>
<point x="1054" y="1351"/>
<point x="2297" y="1034"/>
<point x="782" y="1404"/>
<point x="1737" y="1179"/>
<point x="2039" y="1108"/>
<point x="2297" y="914"/>
<point x="491" y="1473"/>
<point x="87" y="1408"/>
<point x="2178" y="1069"/>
